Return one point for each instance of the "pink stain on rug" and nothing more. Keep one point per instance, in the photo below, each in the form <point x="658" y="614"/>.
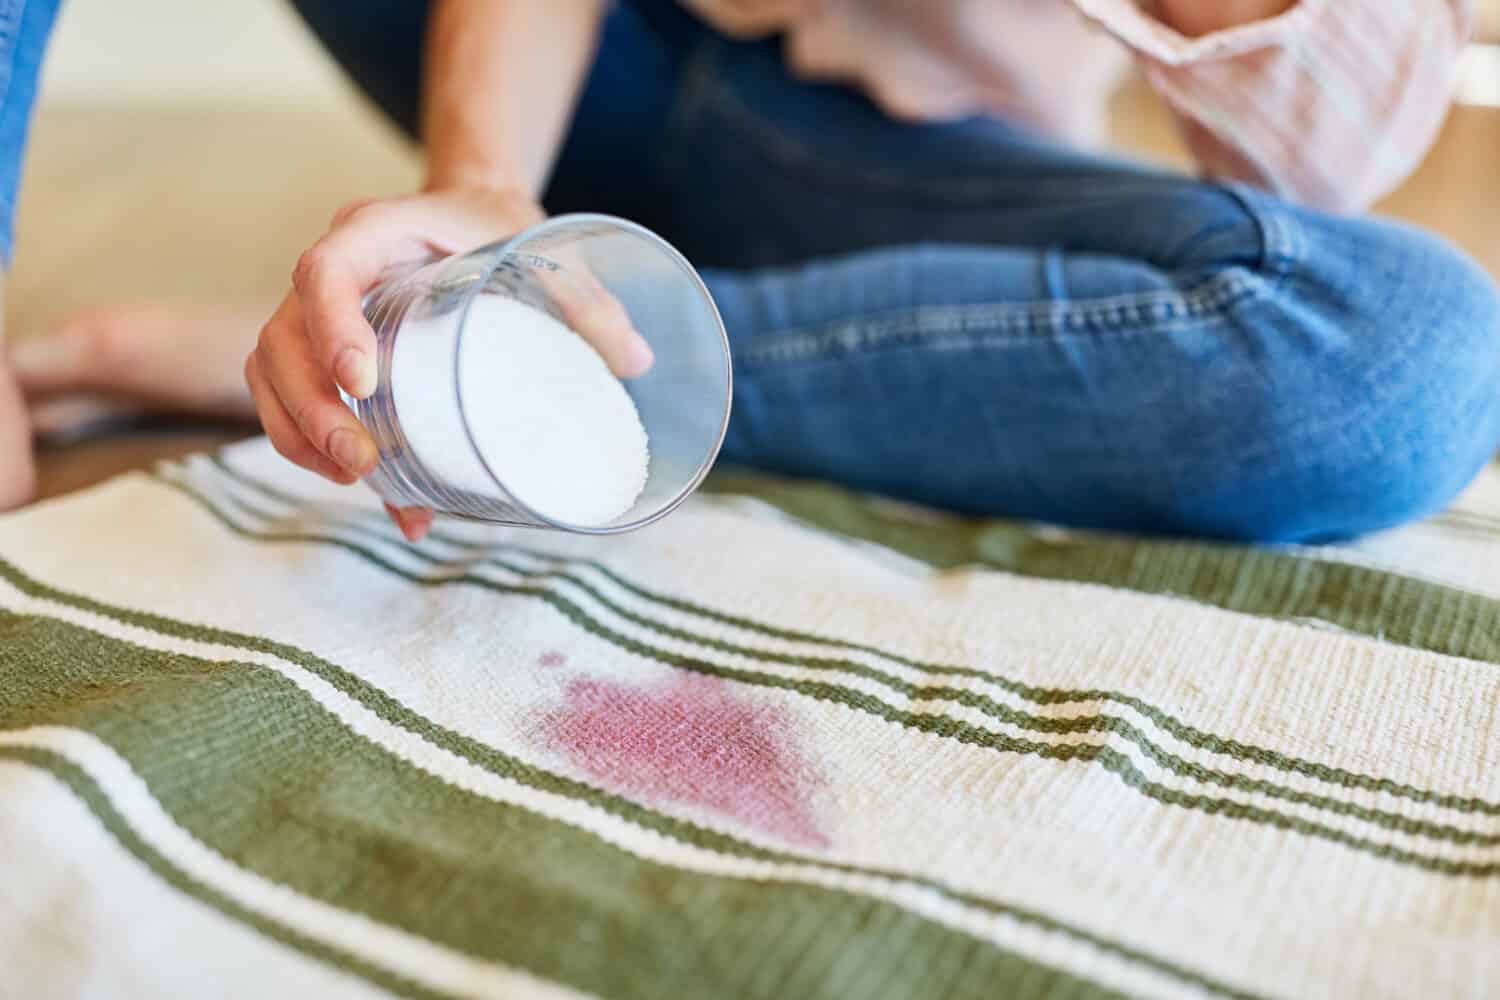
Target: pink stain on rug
<point x="691" y="741"/>
<point x="551" y="658"/>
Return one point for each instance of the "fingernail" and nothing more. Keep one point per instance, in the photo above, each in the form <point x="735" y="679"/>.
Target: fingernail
<point x="415" y="528"/>
<point x="355" y="371"/>
<point x="350" y="451"/>
<point x="638" y="356"/>
<point x="414" y="522"/>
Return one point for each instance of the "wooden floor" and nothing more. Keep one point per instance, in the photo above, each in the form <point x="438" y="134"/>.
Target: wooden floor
<point x="185" y="203"/>
<point x="196" y="205"/>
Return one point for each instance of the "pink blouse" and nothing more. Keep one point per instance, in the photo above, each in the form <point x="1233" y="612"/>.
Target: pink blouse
<point x="1332" y="103"/>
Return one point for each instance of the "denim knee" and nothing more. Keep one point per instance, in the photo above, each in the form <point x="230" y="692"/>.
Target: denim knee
<point x="1384" y="399"/>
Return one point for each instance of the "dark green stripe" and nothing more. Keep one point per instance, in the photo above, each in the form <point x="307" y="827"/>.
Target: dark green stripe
<point x="87" y="790"/>
<point x="1112" y="760"/>
<point x="988" y="706"/>
<point x="250" y="765"/>
<point x="1264" y="582"/>
<point x="1189" y="734"/>
<point x="496" y="762"/>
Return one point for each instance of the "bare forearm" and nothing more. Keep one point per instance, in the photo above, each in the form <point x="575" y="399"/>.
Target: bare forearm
<point x="501" y="82"/>
<point x="1199" y="17"/>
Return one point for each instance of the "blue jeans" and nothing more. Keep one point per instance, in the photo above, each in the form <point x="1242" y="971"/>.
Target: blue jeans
<point x="24" y="28"/>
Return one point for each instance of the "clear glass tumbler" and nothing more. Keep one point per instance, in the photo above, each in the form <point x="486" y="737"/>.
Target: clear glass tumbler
<point x="429" y="456"/>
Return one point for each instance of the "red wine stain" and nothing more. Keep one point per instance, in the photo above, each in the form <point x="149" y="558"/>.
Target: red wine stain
<point x="690" y="741"/>
<point x="551" y="658"/>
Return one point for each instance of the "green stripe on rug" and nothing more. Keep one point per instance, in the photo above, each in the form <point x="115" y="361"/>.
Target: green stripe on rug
<point x="1191" y="735"/>
<point x="88" y="791"/>
<point x="1371" y="602"/>
<point x="1109" y="758"/>
<point x="496" y="762"/>
<point x="250" y="765"/>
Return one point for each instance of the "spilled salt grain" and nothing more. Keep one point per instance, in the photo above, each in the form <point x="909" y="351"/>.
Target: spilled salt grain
<point x="554" y="425"/>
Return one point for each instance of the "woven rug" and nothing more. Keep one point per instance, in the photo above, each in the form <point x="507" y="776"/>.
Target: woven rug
<point x="788" y="742"/>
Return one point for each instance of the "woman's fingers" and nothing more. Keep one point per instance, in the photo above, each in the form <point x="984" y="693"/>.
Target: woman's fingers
<point x="414" y="522"/>
<point x="367" y="240"/>
<point x="319" y="339"/>
<point x="285" y="362"/>
<point x="345" y="213"/>
<point x="596" y="315"/>
<point x="330" y="280"/>
<point x="286" y="437"/>
<point x="599" y="318"/>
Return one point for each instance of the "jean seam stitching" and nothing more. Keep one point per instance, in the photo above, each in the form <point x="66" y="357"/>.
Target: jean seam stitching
<point x="1281" y="246"/>
<point x="992" y="322"/>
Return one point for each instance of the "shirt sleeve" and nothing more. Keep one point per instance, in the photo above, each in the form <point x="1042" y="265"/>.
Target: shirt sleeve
<point x="1331" y="104"/>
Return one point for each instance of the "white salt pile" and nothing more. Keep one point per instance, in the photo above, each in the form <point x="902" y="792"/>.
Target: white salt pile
<point x="555" y="426"/>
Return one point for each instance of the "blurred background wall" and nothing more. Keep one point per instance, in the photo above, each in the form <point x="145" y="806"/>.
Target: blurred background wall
<point x="237" y="51"/>
<point x="186" y="150"/>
